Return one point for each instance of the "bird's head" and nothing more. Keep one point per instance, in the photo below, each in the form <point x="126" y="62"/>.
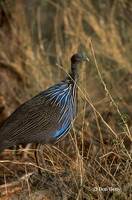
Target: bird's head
<point x="75" y="60"/>
<point x="78" y="58"/>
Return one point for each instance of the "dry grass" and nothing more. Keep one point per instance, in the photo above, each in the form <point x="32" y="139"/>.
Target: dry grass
<point x="96" y="155"/>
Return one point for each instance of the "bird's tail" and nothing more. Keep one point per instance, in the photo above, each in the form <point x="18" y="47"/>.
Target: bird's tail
<point x="4" y="145"/>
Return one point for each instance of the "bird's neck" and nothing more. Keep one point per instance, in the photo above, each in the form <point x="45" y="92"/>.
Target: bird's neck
<point x="73" y="72"/>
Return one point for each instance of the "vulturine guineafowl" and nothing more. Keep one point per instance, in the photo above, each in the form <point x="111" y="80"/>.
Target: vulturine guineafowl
<point x="47" y="117"/>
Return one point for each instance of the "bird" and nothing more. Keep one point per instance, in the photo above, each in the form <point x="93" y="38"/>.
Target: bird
<point x="46" y="117"/>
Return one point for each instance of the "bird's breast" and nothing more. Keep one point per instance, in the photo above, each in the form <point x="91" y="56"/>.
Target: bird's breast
<point x="64" y="99"/>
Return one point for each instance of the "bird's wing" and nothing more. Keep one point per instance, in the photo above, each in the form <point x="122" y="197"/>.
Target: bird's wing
<point x="30" y="121"/>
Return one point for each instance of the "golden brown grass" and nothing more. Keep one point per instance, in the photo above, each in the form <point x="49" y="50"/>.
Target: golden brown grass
<point x="35" y="51"/>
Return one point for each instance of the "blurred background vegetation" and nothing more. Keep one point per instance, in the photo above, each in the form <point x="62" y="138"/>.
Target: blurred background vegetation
<point x="37" y="39"/>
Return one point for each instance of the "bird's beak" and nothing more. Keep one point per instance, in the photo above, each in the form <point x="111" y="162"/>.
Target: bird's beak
<point x="87" y="59"/>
